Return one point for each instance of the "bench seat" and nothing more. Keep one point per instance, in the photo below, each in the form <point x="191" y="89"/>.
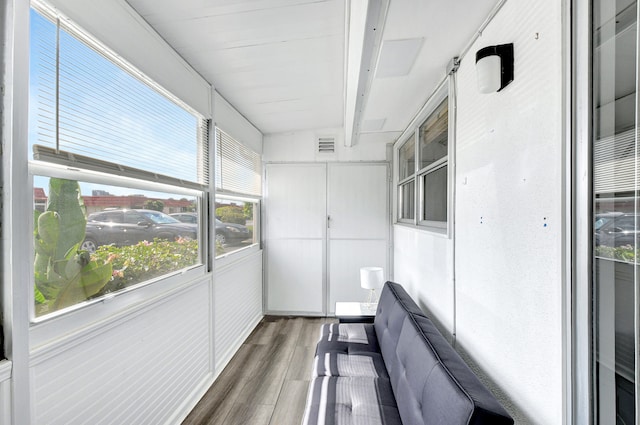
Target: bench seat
<point x="398" y="370"/>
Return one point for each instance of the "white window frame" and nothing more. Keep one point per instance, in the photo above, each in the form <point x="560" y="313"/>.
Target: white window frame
<point x="444" y="91"/>
<point x="226" y="259"/>
<point x="93" y="170"/>
<point x="230" y="257"/>
<point x="411" y="178"/>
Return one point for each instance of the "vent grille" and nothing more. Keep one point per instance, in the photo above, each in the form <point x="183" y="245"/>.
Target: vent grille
<point x="326" y="144"/>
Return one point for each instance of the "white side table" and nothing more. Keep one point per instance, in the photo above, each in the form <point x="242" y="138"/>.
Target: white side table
<point x="353" y="312"/>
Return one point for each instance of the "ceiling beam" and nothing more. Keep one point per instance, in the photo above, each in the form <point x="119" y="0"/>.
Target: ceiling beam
<point x="364" y="23"/>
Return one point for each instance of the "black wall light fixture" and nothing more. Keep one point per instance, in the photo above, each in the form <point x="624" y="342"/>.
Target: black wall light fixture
<point x="494" y="67"/>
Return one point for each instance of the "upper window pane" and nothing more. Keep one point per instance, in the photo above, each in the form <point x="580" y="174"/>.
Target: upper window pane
<point x="238" y="168"/>
<point x="433" y="136"/>
<point x="104" y="112"/>
<point x="407" y="159"/>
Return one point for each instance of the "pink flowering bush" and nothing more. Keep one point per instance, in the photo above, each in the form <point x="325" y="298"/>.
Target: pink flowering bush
<point x="138" y="263"/>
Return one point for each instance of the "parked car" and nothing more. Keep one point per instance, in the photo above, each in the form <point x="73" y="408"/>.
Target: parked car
<point x="618" y="230"/>
<point x="123" y="227"/>
<point x="604" y="218"/>
<point x="228" y="233"/>
<point x="186" y="217"/>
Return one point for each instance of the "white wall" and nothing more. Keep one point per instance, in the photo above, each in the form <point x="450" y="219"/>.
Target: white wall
<point x="140" y="366"/>
<point x="509" y="222"/>
<point x="423" y="265"/>
<point x="234" y="124"/>
<point x="302" y="146"/>
<point x="237" y="305"/>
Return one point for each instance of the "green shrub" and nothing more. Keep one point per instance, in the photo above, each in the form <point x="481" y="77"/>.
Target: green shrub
<point x="625" y="253"/>
<point x="154" y="204"/>
<point x="145" y="260"/>
<point x="231" y="214"/>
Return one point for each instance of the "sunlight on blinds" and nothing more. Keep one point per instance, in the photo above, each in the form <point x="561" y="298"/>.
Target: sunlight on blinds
<point x="102" y="111"/>
<point x="238" y="168"/>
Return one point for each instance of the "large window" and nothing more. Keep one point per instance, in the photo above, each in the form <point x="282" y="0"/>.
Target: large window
<point x="615" y="196"/>
<point x="423" y="188"/>
<point x="238" y="194"/>
<point x="114" y="159"/>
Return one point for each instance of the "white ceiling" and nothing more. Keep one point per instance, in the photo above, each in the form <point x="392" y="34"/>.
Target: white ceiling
<point x="281" y="62"/>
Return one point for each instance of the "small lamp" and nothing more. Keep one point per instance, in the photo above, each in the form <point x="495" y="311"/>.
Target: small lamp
<point x="494" y="67"/>
<point x="371" y="278"/>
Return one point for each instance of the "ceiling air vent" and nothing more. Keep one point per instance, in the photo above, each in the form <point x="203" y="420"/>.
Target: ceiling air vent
<point x="326" y="144"/>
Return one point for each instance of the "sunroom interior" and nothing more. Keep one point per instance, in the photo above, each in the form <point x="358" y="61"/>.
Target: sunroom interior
<point x="199" y="171"/>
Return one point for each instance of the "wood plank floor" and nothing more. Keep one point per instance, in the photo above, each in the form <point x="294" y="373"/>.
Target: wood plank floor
<point x="266" y="381"/>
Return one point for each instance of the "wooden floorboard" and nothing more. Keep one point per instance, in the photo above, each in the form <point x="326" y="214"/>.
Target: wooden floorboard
<point x="266" y="381"/>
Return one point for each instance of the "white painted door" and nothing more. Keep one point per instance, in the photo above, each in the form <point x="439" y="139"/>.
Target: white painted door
<point x="295" y="238"/>
<point x="322" y="223"/>
<point x="358" y="233"/>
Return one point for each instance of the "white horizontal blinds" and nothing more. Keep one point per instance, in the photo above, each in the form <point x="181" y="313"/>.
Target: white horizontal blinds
<point x="614" y="163"/>
<point x="104" y="112"/>
<point x="42" y="76"/>
<point x="238" y="168"/>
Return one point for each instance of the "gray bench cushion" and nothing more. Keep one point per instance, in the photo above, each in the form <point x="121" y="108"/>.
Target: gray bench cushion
<point x="338" y="400"/>
<point x="361" y="370"/>
<point x="348" y="349"/>
<point x="432" y="384"/>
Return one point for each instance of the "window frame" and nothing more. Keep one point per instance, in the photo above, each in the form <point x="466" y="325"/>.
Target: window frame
<point x="444" y="91"/>
<point x="221" y="191"/>
<point x="411" y="178"/>
<point x="233" y="256"/>
<point x="94" y="170"/>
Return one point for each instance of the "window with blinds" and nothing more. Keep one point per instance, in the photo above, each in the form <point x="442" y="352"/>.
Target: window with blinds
<point x="87" y="104"/>
<point x="126" y="208"/>
<point x="238" y="168"/>
<point x="238" y="190"/>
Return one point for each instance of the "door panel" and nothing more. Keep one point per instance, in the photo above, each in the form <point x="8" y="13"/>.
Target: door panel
<point x="295" y="231"/>
<point x="358" y="206"/>
<point x="295" y="276"/>
<point x="315" y="212"/>
<point x="358" y="201"/>
<point x="296" y="197"/>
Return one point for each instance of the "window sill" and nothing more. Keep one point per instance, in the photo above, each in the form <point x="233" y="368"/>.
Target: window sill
<point x="87" y="317"/>
<point x="435" y="231"/>
<point x="231" y="258"/>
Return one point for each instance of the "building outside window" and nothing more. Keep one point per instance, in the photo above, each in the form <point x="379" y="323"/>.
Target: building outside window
<point x="111" y="156"/>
